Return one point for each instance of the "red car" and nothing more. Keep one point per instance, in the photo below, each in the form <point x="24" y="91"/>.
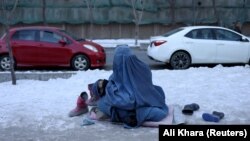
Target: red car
<point x="39" y="46"/>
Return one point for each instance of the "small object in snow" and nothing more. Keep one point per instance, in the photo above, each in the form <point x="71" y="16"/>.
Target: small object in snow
<point x="219" y="114"/>
<point x="87" y="121"/>
<point x="210" y="117"/>
<point x="214" y="117"/>
<point x="190" y="108"/>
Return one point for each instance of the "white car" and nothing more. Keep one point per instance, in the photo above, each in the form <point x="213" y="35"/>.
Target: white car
<point x="185" y="46"/>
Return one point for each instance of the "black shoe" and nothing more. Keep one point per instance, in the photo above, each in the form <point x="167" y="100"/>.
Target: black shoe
<point x="219" y="114"/>
<point x="190" y="108"/>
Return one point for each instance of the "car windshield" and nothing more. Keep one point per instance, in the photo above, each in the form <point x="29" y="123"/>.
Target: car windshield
<point x="71" y="35"/>
<point x="171" y="32"/>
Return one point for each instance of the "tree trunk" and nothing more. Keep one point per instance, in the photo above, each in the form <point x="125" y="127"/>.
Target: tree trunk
<point x="172" y="11"/>
<point x="120" y="30"/>
<point x="43" y="12"/>
<point x="91" y="24"/>
<point x="7" y="16"/>
<point x="244" y="11"/>
<point x="13" y="76"/>
<point x="137" y="18"/>
<point x="137" y="31"/>
<point x="216" y="13"/>
<point x="194" y="12"/>
<point x="91" y="7"/>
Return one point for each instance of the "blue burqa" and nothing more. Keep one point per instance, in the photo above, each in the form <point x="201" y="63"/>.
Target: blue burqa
<point x="130" y="91"/>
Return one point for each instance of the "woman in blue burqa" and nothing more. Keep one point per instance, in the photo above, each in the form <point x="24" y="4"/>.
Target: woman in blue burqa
<point x="129" y="95"/>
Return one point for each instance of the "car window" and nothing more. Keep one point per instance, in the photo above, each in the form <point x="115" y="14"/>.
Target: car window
<point x="49" y="36"/>
<point x="171" y="32"/>
<point x="200" y="34"/>
<point x="71" y="35"/>
<point x="28" y="35"/>
<point x="222" y="34"/>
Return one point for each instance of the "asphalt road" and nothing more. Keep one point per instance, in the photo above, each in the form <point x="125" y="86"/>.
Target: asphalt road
<point x="48" y="73"/>
<point x="140" y="53"/>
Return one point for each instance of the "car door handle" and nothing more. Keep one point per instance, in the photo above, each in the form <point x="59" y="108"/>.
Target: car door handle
<point x="189" y="42"/>
<point x="220" y="44"/>
<point x="15" y="44"/>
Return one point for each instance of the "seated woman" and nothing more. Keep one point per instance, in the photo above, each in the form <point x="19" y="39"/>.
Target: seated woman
<point x="129" y="95"/>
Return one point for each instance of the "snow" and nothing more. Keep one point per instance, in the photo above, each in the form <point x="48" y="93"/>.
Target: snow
<point x="45" y="104"/>
<point x="110" y="43"/>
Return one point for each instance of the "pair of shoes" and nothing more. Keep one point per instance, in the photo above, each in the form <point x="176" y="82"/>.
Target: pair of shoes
<point x="190" y="108"/>
<point x="92" y="101"/>
<point x="81" y="106"/>
<point x="214" y="117"/>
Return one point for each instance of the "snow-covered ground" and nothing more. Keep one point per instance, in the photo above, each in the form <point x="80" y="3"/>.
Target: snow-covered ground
<point x="220" y="88"/>
<point x="110" y="43"/>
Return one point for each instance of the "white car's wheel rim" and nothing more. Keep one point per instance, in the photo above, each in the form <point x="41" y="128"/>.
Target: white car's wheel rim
<point x="180" y="61"/>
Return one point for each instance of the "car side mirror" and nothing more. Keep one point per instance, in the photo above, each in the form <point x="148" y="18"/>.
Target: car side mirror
<point x="62" y="42"/>
<point x="243" y="39"/>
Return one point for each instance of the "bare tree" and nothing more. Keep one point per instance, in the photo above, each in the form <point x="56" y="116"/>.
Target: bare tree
<point x="193" y="11"/>
<point x="137" y="17"/>
<point x="43" y="12"/>
<point x="196" y="11"/>
<point x="244" y="10"/>
<point x="8" y="13"/>
<point x="217" y="16"/>
<point x="172" y="10"/>
<point x="91" y="8"/>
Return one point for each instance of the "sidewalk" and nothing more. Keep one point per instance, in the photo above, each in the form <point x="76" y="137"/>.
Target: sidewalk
<point x="100" y="131"/>
<point x="70" y="129"/>
<point x="36" y="75"/>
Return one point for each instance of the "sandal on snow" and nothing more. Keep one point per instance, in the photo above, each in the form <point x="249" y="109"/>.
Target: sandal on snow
<point x="190" y="108"/>
<point x="219" y="114"/>
<point x="210" y="117"/>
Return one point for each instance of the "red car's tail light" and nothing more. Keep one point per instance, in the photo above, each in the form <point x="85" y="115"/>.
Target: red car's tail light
<point x="157" y="43"/>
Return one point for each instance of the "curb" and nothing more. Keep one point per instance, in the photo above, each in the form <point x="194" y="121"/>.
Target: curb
<point x="42" y="76"/>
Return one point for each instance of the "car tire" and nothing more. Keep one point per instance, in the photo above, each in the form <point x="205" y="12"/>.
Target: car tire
<point x="80" y="62"/>
<point x="5" y="63"/>
<point x="180" y="60"/>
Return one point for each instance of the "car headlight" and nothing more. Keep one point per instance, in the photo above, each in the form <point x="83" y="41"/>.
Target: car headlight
<point x="90" y="47"/>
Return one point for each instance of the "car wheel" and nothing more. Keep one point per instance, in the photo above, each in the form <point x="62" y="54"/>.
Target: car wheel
<point x="180" y="60"/>
<point x="80" y="62"/>
<point x="5" y="63"/>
